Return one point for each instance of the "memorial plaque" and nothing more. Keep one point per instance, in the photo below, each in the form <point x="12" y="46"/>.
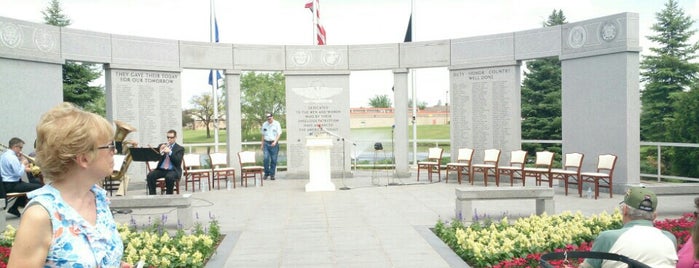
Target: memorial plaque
<point x="488" y="115"/>
<point x="150" y="102"/>
<point x="317" y="104"/>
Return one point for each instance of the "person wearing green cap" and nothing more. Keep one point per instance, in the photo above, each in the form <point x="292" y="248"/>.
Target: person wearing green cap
<point x="638" y="239"/>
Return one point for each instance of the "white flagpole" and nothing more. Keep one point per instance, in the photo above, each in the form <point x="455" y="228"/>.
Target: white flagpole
<point x="413" y="76"/>
<point x="214" y="76"/>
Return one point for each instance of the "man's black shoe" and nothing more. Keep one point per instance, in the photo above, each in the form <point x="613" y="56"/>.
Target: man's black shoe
<point x="272" y="178"/>
<point x="14" y="212"/>
<point x="266" y="177"/>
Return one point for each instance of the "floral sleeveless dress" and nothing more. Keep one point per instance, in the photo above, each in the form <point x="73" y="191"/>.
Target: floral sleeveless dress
<point x="76" y="243"/>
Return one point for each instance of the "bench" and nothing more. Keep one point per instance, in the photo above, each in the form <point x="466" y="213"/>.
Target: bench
<point x="183" y="203"/>
<point x="674" y="188"/>
<point x="466" y="196"/>
<point x="4" y="202"/>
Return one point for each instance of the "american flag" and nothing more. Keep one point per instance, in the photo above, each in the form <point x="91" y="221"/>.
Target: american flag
<point x="314" y="7"/>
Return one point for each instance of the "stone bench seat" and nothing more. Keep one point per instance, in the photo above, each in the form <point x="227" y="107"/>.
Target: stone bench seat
<point x="466" y="196"/>
<point x="674" y="188"/>
<point x="183" y="203"/>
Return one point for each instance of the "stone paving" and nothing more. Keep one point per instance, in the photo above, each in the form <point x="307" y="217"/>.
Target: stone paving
<point x="370" y="225"/>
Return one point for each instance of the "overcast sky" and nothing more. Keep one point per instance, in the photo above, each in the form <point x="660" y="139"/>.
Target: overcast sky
<point x="346" y="22"/>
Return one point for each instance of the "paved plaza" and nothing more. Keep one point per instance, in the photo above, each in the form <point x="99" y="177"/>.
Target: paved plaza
<point x="372" y="224"/>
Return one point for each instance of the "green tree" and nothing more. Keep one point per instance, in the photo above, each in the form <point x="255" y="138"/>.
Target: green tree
<point x="261" y="93"/>
<point x="76" y="86"/>
<point x="380" y="101"/>
<point x="203" y="110"/>
<point x="421" y="105"/>
<point x="668" y="70"/>
<point x="53" y="15"/>
<point x="684" y="128"/>
<point x="77" y="76"/>
<point x="187" y="119"/>
<point x="541" y="98"/>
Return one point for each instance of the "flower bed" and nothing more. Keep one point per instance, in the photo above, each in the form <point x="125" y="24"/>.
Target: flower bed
<point x="521" y="244"/>
<point x="153" y="244"/>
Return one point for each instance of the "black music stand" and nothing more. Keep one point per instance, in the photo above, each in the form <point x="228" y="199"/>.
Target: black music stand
<point x="144" y="154"/>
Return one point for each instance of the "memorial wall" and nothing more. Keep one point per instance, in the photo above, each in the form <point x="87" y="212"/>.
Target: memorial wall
<point x="144" y="84"/>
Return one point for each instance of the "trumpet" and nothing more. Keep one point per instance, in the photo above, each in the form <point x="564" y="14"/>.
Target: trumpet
<point x="32" y="162"/>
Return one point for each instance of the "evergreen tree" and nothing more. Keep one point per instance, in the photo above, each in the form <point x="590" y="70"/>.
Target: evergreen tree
<point x="53" y="15"/>
<point x="684" y="128"/>
<point x="541" y="98"/>
<point x="77" y="76"/>
<point x="667" y="71"/>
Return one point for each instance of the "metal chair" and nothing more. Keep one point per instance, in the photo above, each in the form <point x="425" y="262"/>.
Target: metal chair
<point x="249" y="168"/>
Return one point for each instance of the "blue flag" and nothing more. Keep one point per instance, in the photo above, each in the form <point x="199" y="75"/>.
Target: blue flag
<point x="215" y="30"/>
<point x="211" y="73"/>
<point x="211" y="76"/>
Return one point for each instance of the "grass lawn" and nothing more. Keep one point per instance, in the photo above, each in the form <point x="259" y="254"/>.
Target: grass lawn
<point x="429" y="132"/>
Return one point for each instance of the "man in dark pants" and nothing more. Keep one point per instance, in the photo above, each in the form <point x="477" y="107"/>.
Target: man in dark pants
<point x="271" y="132"/>
<point x="169" y="166"/>
<point x="13" y="165"/>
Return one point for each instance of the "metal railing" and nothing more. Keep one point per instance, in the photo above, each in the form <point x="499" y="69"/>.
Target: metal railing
<point x="444" y="142"/>
<point x="659" y="156"/>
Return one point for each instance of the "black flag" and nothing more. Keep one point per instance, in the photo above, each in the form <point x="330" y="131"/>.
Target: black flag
<point x="409" y="32"/>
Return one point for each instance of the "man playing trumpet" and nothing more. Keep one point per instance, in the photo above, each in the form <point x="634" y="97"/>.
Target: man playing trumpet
<point x="13" y="165"/>
<point x="169" y="166"/>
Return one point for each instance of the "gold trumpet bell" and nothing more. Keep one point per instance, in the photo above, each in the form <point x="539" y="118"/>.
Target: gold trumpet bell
<point x="118" y="179"/>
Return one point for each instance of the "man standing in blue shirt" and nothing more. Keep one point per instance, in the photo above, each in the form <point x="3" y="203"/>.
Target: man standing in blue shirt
<point x="271" y="132"/>
<point x="13" y="165"/>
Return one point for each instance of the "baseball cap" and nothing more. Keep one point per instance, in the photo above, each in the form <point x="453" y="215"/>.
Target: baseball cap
<point x="268" y="115"/>
<point x="641" y="198"/>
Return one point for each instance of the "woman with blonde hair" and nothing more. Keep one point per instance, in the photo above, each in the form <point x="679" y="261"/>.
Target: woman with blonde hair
<point x="67" y="222"/>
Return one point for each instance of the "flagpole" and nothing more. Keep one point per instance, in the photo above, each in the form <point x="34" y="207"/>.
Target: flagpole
<point x="413" y="76"/>
<point x="214" y="76"/>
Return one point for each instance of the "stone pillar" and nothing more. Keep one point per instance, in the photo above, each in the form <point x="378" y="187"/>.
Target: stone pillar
<point x="400" y="132"/>
<point x="233" y="117"/>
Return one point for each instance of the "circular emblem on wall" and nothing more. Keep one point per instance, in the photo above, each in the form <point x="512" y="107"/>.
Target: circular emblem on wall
<point x="331" y="57"/>
<point x="577" y="37"/>
<point x="301" y="57"/>
<point x="608" y="31"/>
<point x="43" y="40"/>
<point x="10" y="35"/>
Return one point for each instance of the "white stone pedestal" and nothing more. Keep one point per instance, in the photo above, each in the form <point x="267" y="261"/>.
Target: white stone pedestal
<point x="319" y="163"/>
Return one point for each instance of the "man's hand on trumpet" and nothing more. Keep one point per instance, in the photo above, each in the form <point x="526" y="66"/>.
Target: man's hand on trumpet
<point x="165" y="149"/>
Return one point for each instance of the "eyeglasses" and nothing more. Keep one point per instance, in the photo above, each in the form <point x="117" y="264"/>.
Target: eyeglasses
<point x="170" y="137"/>
<point x="111" y="146"/>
